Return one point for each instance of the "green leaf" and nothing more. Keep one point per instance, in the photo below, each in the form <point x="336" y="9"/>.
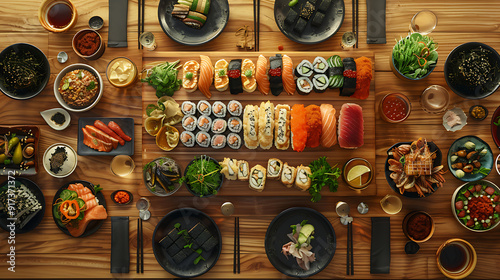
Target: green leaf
<point x="198" y="259"/>
<point x="91" y="86"/>
<point x="322" y="175"/>
<point x="97" y="188"/>
<point x="199" y="251"/>
<point x="177" y="225"/>
<point x="303" y="223"/>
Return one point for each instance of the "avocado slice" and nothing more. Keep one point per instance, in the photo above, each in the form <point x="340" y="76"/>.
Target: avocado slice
<point x="305" y="232"/>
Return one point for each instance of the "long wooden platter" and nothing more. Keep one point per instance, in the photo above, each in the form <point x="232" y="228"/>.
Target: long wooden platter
<point x="336" y="155"/>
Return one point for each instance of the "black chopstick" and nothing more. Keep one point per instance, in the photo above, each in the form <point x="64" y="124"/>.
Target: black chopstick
<point x="256" y="23"/>
<point x="238" y="248"/>
<point x="348" y="259"/>
<point x="352" y="245"/>
<point x="258" y="29"/>
<point x="142" y="23"/>
<point x="235" y="245"/>
<point x="357" y="30"/>
<point x="138" y="41"/>
<point x="138" y="246"/>
<point x="142" y="244"/>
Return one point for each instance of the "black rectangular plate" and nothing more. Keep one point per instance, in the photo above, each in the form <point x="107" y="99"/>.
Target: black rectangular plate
<point x="127" y="125"/>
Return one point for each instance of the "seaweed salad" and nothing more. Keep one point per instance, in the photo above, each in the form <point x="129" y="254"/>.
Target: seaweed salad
<point x="21" y="71"/>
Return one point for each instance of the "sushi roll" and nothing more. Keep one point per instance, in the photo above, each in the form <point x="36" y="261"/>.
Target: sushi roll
<point x="291" y="16"/>
<point x="206" y="76"/>
<point x="189" y="122"/>
<point x="298" y="127"/>
<point x="304" y="85"/>
<point x="187" y="139"/>
<point x="349" y="86"/>
<point x="287" y="77"/>
<point x="320" y="82"/>
<point x="324" y="5"/>
<point x="195" y="19"/>
<point x="288" y="175"/>
<point x="274" y="167"/>
<point x="317" y="19"/>
<point x="235" y="108"/>
<point x="320" y="66"/>
<point x="243" y="170"/>
<point x="190" y="75"/>
<point x="203" y="139"/>
<point x="218" y="141"/>
<point x="251" y="126"/>
<point x="302" y="180"/>
<point x="257" y="178"/>
<point x="300" y="26"/>
<point x="261" y="75"/>
<point x="229" y="168"/>
<point x="282" y="126"/>
<point x="266" y="125"/>
<point x="335" y="71"/>
<point x="221" y="80"/>
<point x="235" y="124"/>
<point x="204" y="107"/>
<point x="307" y="10"/>
<point x="275" y="72"/>
<point x="200" y="6"/>
<point x="304" y="69"/>
<point x="204" y="123"/>
<point x="180" y="11"/>
<point x="219" y="126"/>
<point x="188" y="108"/>
<point x="219" y="109"/>
<point x="234" y="74"/>
<point x="234" y="141"/>
<point x="248" y="75"/>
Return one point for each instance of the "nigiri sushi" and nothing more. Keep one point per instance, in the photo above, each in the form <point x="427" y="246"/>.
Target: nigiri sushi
<point x="287" y="76"/>
<point x="221" y="80"/>
<point x="349" y="73"/>
<point x="329" y="123"/>
<point x="314" y="126"/>
<point x="266" y="125"/>
<point x="275" y="72"/>
<point x="282" y="126"/>
<point x="350" y="126"/>
<point x="248" y="75"/>
<point x="234" y="73"/>
<point x="190" y="75"/>
<point x="298" y="126"/>
<point x="261" y="75"/>
<point x="363" y="77"/>
<point x="206" y="75"/>
<point x="251" y="126"/>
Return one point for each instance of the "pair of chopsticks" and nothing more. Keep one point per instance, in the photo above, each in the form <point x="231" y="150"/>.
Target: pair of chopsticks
<point x="140" y="20"/>
<point x="236" y="256"/>
<point x="350" y="255"/>
<point x="355" y="20"/>
<point x="140" y="247"/>
<point x="256" y="23"/>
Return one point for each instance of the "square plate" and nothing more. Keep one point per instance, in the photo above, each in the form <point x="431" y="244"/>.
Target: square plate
<point x="127" y="125"/>
<point x="22" y="132"/>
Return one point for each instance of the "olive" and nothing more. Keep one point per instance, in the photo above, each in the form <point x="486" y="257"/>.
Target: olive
<point x="18" y="154"/>
<point x="461" y="153"/>
<point x="468" y="168"/>
<point x="3" y="157"/>
<point x="476" y="164"/>
<point x="471" y="154"/>
<point x="458" y="165"/>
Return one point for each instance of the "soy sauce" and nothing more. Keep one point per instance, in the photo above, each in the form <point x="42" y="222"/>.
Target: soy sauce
<point x="453" y="258"/>
<point x="59" y="15"/>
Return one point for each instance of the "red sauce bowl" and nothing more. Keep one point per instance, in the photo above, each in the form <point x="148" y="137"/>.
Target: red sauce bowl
<point x="81" y="39"/>
<point x="418" y="226"/>
<point x="395" y="107"/>
<point x="130" y="197"/>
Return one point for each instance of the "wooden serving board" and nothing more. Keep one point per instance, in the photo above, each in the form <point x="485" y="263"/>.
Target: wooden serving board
<point x="336" y="155"/>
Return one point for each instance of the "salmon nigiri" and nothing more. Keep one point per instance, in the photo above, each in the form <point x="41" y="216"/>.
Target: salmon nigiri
<point x="329" y="122"/>
<point x="95" y="143"/>
<point x="261" y="75"/>
<point x="287" y="75"/>
<point x="206" y="75"/>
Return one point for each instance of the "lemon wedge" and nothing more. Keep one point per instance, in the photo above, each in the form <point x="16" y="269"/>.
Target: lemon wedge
<point x="356" y="172"/>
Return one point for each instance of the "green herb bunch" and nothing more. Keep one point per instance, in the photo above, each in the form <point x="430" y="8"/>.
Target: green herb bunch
<point x="203" y="176"/>
<point x="323" y="174"/>
<point x="415" y="55"/>
<point x="163" y="78"/>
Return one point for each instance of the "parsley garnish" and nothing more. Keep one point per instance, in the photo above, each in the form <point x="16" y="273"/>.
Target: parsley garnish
<point x="163" y="78"/>
<point x="91" y="86"/>
<point x="322" y="175"/>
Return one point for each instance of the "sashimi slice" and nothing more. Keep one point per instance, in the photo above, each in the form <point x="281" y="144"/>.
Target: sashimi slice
<point x="99" y="134"/>
<point x="94" y="143"/>
<point x="86" y="197"/>
<point x="261" y="75"/>
<point x="329" y="122"/>
<point x="351" y="126"/>
<point x="96" y="213"/>
<point x="90" y="204"/>
<point x="206" y="75"/>
<point x="102" y="126"/>
<point x="298" y="127"/>
<point x="79" y="189"/>
<point x="287" y="75"/>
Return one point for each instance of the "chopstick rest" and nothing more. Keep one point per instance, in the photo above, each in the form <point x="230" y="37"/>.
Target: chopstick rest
<point x="380" y="253"/>
<point x="117" y="35"/>
<point x="120" y="256"/>
<point x="375" y="23"/>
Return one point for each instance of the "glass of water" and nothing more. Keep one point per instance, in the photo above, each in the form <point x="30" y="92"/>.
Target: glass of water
<point x="423" y="22"/>
<point x="147" y="40"/>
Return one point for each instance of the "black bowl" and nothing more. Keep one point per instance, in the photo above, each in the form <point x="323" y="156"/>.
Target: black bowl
<point x="189" y="187"/>
<point x="480" y="106"/>
<point x="464" y="90"/>
<point x="131" y="197"/>
<point x="27" y="93"/>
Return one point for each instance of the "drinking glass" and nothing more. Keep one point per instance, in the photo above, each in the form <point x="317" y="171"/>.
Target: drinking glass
<point x="391" y="204"/>
<point x="435" y="99"/>
<point x="147" y="40"/>
<point x="423" y="22"/>
<point x="122" y="165"/>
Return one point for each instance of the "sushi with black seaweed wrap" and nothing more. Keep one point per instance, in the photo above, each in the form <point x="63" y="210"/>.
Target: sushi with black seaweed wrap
<point x="275" y="71"/>
<point x="335" y="71"/>
<point x="300" y="26"/>
<point x="317" y="19"/>
<point x="307" y="10"/>
<point x="349" y="73"/>
<point x="320" y="82"/>
<point x="304" y="86"/>
<point x="291" y="16"/>
<point x="324" y="5"/>
<point x="304" y="69"/>
<point x="234" y="74"/>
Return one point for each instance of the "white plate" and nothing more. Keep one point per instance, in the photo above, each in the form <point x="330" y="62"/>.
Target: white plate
<point x="463" y="119"/>
<point x="68" y="166"/>
<point x="47" y="115"/>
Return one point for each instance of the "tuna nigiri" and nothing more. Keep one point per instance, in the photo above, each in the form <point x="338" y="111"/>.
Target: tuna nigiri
<point x="298" y="126"/>
<point x="287" y="76"/>
<point x="350" y="126"/>
<point x="206" y="75"/>
<point x="314" y="126"/>
<point x="329" y="123"/>
<point x="261" y="75"/>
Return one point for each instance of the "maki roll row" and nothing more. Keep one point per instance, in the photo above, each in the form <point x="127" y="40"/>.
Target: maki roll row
<point x="349" y="74"/>
<point x="216" y="141"/>
<point x="307" y="69"/>
<point x="335" y="72"/>
<point x="218" y="108"/>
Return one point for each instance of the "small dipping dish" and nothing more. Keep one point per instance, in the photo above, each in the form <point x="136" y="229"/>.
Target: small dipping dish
<point x="357" y="173"/>
<point x="62" y="57"/>
<point x="122" y="197"/>
<point x="456" y="258"/>
<point x="395" y="107"/>
<point x="54" y="117"/>
<point x="167" y="138"/>
<point x="449" y="116"/>
<point x="96" y="22"/>
<point x="68" y="165"/>
<point x="478" y="112"/>
<point x="418" y="226"/>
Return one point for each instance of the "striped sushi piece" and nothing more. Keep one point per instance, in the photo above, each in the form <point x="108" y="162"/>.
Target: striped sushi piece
<point x="218" y="141"/>
<point x="195" y="19"/>
<point x="288" y="79"/>
<point x="298" y="126"/>
<point x="234" y="74"/>
<point x="261" y="75"/>
<point x="335" y="72"/>
<point x="206" y="76"/>
<point x="350" y="128"/>
<point x="349" y="73"/>
<point x="187" y="139"/>
<point x="275" y="73"/>
<point x="304" y="69"/>
<point x="234" y="141"/>
<point x="329" y="123"/>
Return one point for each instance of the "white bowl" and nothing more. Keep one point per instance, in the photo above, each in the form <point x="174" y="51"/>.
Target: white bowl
<point x="71" y="68"/>
<point x="68" y="166"/>
<point x="47" y="115"/>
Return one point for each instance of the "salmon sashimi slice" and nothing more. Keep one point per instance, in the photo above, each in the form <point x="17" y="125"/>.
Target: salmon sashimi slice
<point x="219" y="140"/>
<point x="329" y="122"/>
<point x="90" y="204"/>
<point x="203" y="121"/>
<point x="79" y="189"/>
<point x="261" y="75"/>
<point x="99" y="134"/>
<point x="95" y="143"/>
<point x="287" y="75"/>
<point x="188" y="121"/>
<point x="96" y="213"/>
<point x="201" y="137"/>
<point x="350" y="128"/>
<point x="86" y="197"/>
<point x="206" y="75"/>
<point x="203" y="107"/>
<point x="100" y="125"/>
<point x="217" y="108"/>
<point x="118" y="130"/>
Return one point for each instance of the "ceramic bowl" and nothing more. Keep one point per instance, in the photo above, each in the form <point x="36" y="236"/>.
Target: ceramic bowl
<point x="68" y="166"/>
<point x="131" y="197"/>
<point x="400" y="75"/>
<point x="47" y="116"/>
<point x="409" y="217"/>
<point x="470" y="255"/>
<point x="45" y="7"/>
<point x="98" y="52"/>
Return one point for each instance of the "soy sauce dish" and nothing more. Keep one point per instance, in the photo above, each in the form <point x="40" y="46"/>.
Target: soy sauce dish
<point x="122" y="197"/>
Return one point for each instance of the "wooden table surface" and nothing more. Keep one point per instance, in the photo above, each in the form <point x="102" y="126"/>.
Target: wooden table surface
<point x="48" y="253"/>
